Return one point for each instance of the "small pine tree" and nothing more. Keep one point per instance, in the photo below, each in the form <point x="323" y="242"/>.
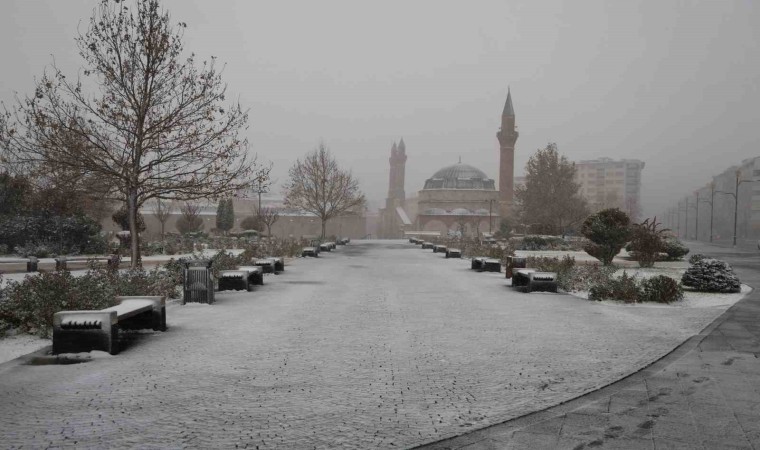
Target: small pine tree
<point x="608" y="230"/>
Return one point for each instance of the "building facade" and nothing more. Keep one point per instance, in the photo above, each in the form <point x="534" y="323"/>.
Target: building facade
<point x="607" y="183"/>
<point x="456" y="199"/>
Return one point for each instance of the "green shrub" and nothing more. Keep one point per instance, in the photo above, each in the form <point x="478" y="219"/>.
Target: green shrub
<point x="624" y="288"/>
<point x="4" y="250"/>
<point x="608" y="230"/>
<point x="583" y="276"/>
<point x="660" y="289"/>
<point x="675" y="249"/>
<point x="711" y="275"/>
<point x="537" y="243"/>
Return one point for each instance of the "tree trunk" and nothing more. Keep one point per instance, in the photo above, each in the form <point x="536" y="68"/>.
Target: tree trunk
<point x="134" y="237"/>
<point x="269" y="230"/>
<point x="324" y="228"/>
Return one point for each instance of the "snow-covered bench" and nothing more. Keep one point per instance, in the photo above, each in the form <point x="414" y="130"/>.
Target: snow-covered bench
<point x="530" y="280"/>
<point x="270" y="264"/>
<point x="491" y="265"/>
<point x="243" y="278"/>
<point x="477" y="263"/>
<point x="439" y="249"/>
<point x="62" y="262"/>
<point x="427" y="245"/>
<point x="309" y="251"/>
<point x="32" y="263"/>
<point x="83" y="331"/>
<point x="453" y="253"/>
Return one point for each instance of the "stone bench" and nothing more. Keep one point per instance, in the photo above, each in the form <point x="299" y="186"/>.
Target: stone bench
<point x="477" y="263"/>
<point x="439" y="249"/>
<point x="32" y="263"/>
<point x="309" y="251"/>
<point x="531" y="280"/>
<point x="62" y="262"/>
<point x="84" y="331"/>
<point x="453" y="253"/>
<point x="427" y="245"/>
<point x="243" y="278"/>
<point x="268" y="265"/>
<point x="491" y="265"/>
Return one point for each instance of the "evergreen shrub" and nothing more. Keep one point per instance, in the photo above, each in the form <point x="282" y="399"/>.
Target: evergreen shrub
<point x="660" y="289"/>
<point x="711" y="275"/>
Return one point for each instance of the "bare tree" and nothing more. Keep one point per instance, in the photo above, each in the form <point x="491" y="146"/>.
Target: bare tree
<point x="190" y="221"/>
<point x="154" y="128"/>
<point x="268" y="216"/>
<point x="163" y="212"/>
<point x="318" y="185"/>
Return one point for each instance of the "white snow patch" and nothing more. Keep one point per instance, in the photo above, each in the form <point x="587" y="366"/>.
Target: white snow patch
<point x="11" y="347"/>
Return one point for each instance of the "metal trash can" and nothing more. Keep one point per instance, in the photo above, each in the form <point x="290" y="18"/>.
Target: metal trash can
<point x="32" y="264"/>
<point x="199" y="282"/>
<point x="514" y="262"/>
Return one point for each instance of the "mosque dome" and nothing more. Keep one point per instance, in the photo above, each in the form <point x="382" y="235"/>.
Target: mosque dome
<point x="460" y="176"/>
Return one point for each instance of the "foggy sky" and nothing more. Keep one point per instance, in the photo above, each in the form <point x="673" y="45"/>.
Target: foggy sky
<point x="672" y="83"/>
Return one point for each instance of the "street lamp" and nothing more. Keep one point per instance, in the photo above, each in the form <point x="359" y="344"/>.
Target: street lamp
<point x="696" y="220"/>
<point x="711" y="202"/>
<point x="735" y="195"/>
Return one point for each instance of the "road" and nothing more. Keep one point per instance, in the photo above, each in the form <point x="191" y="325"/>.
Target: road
<point x="376" y="345"/>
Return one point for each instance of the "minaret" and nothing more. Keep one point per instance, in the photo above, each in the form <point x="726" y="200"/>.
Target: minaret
<point x="507" y="137"/>
<point x="398" y="163"/>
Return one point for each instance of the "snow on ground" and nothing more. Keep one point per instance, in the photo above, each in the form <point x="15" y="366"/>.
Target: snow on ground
<point x="377" y="345"/>
<point x="11" y="347"/>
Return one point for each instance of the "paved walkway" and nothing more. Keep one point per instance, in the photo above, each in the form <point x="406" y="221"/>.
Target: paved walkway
<point x="706" y="394"/>
<point x="377" y="345"/>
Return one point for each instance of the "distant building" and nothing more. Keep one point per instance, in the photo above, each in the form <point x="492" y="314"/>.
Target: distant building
<point x="608" y="183"/>
<point x="456" y="199"/>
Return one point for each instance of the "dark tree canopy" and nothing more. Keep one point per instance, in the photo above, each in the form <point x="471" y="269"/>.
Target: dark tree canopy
<point x="550" y="197"/>
<point x="225" y="215"/>
<point x="318" y="185"/>
<point x="145" y="118"/>
<point x="608" y="230"/>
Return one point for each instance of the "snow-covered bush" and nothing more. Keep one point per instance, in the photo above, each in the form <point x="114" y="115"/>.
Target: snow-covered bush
<point x="675" y="249"/>
<point x="695" y="258"/>
<point x="624" y="288"/>
<point x="711" y="275"/>
<point x="608" y="230"/>
<point x="660" y="289"/>
<point x="583" y="276"/>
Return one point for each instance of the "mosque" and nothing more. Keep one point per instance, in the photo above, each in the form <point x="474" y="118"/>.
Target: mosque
<point x="457" y="198"/>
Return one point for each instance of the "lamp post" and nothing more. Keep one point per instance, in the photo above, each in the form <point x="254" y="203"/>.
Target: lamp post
<point x="735" y="195"/>
<point x="696" y="220"/>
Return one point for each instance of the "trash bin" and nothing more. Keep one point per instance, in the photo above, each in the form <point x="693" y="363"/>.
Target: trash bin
<point x="199" y="282"/>
<point x="32" y="264"/>
<point x="514" y="262"/>
<point x="60" y="263"/>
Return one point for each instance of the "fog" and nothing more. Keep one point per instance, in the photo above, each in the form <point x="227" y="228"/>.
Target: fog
<point x="672" y="83"/>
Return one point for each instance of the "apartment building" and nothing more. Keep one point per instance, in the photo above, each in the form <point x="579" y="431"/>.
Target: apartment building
<point x="609" y="183"/>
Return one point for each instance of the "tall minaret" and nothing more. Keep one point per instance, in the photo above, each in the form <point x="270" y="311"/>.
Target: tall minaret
<point x="507" y="136"/>
<point x="398" y="163"/>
